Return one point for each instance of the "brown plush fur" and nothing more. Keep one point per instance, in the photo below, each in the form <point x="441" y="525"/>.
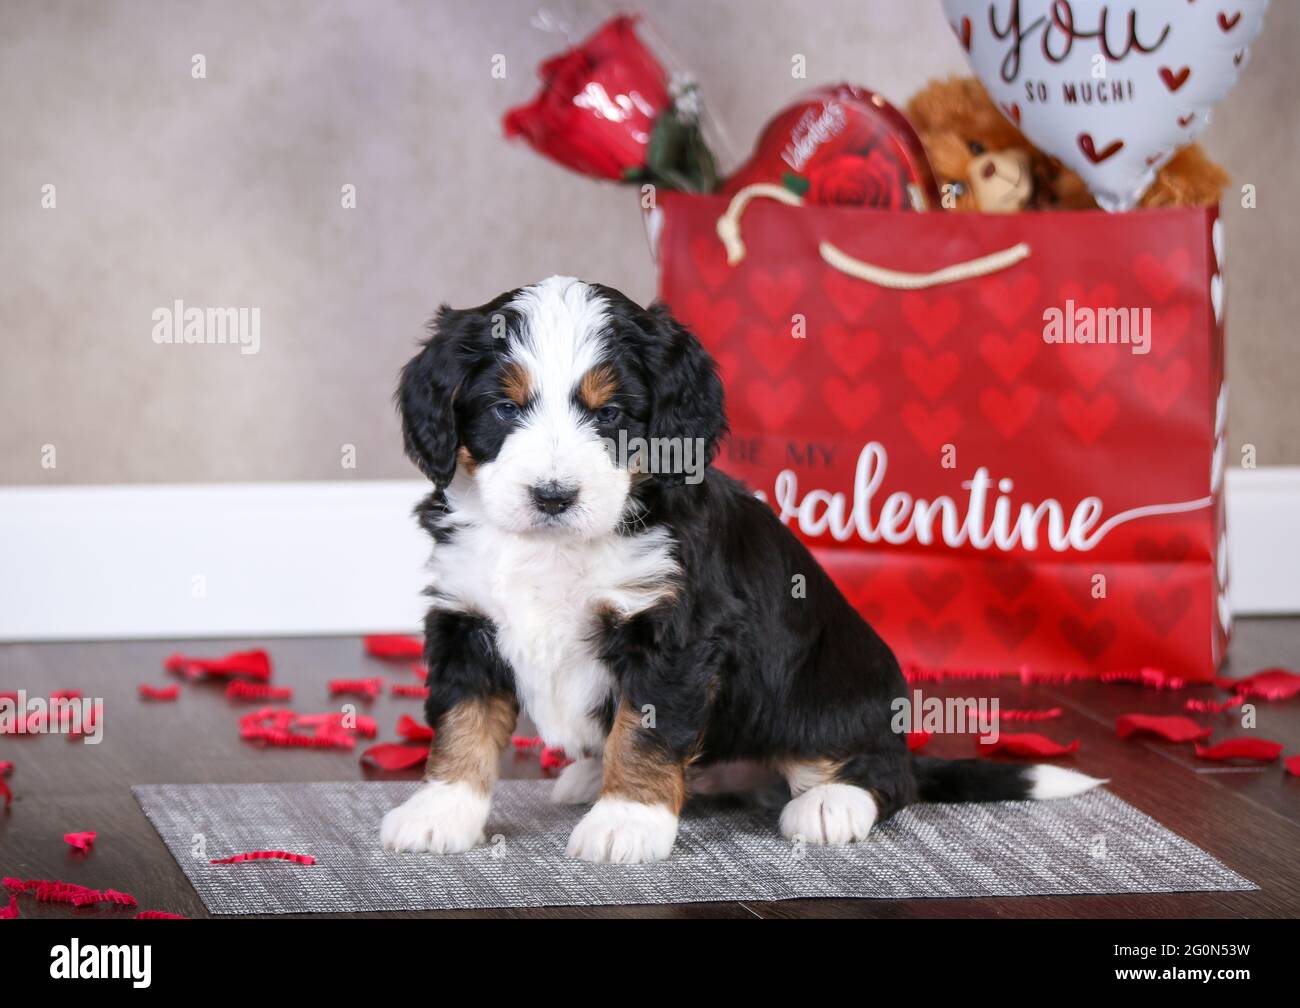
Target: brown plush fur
<point x="977" y="152"/>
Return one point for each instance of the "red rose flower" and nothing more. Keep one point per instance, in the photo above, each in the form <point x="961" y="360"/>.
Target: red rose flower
<point x="854" y="180"/>
<point x="597" y="105"/>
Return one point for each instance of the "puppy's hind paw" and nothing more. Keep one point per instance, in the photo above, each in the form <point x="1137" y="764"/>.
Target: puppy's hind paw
<point x="441" y="818"/>
<point x="831" y="814"/>
<point x="578" y="783"/>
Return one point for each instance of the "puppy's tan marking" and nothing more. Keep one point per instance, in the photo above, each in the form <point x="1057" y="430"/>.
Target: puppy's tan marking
<point x="469" y="740"/>
<point x="517" y="383"/>
<point x="639" y="767"/>
<point x="597" y="387"/>
<point x="468" y="461"/>
<point x="804" y="774"/>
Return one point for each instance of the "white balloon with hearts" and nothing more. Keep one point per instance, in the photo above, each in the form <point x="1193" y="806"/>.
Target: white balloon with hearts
<point x="1111" y="89"/>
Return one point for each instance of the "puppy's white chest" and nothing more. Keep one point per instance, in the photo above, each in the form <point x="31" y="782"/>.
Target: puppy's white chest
<point x="544" y="596"/>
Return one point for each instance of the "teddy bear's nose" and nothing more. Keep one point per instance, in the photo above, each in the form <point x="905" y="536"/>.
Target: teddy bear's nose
<point x="989" y="170"/>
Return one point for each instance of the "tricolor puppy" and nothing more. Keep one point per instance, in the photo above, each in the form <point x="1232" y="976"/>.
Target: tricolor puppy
<point x="592" y="567"/>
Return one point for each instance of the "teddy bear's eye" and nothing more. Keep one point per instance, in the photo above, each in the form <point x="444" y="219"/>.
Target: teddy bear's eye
<point x="976" y="148"/>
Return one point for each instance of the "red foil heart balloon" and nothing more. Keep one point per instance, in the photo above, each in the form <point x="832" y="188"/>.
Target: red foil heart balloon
<point x="842" y="145"/>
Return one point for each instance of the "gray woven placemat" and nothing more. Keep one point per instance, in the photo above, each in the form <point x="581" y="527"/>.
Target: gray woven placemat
<point x="1092" y="844"/>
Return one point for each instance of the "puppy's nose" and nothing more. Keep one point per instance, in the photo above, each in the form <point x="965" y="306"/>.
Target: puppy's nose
<point x="552" y="498"/>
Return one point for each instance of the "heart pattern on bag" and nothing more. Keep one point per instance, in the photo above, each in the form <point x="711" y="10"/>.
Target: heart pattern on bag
<point x="775" y="292"/>
<point x="1090" y="641"/>
<point x="1009" y="412"/>
<point x="932" y="321"/>
<point x="933" y="374"/>
<point x="934" y="590"/>
<point x="1011" y="627"/>
<point x="851" y="350"/>
<point x="853" y="405"/>
<point x="1008" y="356"/>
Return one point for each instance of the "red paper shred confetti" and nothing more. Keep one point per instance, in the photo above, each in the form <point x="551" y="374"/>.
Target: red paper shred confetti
<point x="255" y="664"/>
<point x="368" y="688"/>
<point x="1152" y="678"/>
<point x="11" y="911"/>
<point x="6" y="768"/>
<point x="915" y="673"/>
<point x="1043" y="714"/>
<point x="394" y="647"/>
<point x="1025" y="745"/>
<point x="241" y="690"/>
<point x="411" y="729"/>
<point x="916" y="741"/>
<point x="1170" y="727"/>
<point x="394" y="756"/>
<point x="1244" y="747"/>
<point x="554" y="759"/>
<point x="1292" y="764"/>
<point x="1267" y="684"/>
<point x="53" y="891"/>
<point x="148" y="692"/>
<point x="279" y="726"/>
<point x="1214" y="706"/>
<point x="420" y="672"/>
<point x="80" y="841"/>
<point x="408" y="690"/>
<point x="523" y="742"/>
<point x="158" y="915"/>
<point x="266" y="855"/>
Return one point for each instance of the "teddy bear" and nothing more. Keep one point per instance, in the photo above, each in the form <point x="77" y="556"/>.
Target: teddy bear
<point x="983" y="163"/>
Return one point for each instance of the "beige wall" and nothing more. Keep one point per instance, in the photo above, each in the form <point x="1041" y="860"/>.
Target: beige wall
<point x="226" y="191"/>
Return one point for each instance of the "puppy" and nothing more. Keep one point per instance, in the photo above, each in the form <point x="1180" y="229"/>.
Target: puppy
<point x="591" y="566"/>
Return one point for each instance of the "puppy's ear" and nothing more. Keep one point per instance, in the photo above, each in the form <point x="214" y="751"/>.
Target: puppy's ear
<point x="686" y="392"/>
<point x="426" y="397"/>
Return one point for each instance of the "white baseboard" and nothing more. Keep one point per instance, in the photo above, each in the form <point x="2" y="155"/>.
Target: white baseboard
<point x="287" y="559"/>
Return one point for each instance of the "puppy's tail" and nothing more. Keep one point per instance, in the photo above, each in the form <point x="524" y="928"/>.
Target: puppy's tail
<point x="963" y="780"/>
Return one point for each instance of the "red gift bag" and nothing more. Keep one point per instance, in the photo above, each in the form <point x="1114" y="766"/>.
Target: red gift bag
<point x="924" y="399"/>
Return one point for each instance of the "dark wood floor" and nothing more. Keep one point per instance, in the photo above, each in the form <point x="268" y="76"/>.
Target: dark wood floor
<point x="1247" y="817"/>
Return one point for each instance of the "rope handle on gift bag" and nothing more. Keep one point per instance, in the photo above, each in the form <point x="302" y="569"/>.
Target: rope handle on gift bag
<point x="729" y="233"/>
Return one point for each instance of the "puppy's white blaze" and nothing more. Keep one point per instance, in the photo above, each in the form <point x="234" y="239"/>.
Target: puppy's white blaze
<point x="617" y="831"/>
<point x="579" y="782"/>
<point x="559" y="341"/>
<point x="1047" y="781"/>
<point x="441" y="818"/>
<point x="833" y="814"/>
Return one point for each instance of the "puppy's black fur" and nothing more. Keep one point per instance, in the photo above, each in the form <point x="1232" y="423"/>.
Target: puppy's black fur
<point x="737" y="665"/>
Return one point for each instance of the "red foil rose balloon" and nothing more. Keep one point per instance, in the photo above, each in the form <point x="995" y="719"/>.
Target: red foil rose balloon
<point x="598" y="104"/>
<point x="607" y="108"/>
<point x="843" y="145"/>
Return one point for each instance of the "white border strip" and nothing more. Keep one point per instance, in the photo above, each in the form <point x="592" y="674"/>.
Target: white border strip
<point x="289" y="559"/>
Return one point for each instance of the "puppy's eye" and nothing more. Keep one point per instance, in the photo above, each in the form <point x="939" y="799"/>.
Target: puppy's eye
<point x="608" y="414"/>
<point x="976" y="148"/>
<point x="507" y="410"/>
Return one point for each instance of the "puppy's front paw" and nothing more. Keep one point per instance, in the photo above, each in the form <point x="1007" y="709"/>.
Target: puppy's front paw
<point x="833" y="814"/>
<point x="617" y="831"/>
<point x="441" y="818"/>
<point x="578" y="783"/>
